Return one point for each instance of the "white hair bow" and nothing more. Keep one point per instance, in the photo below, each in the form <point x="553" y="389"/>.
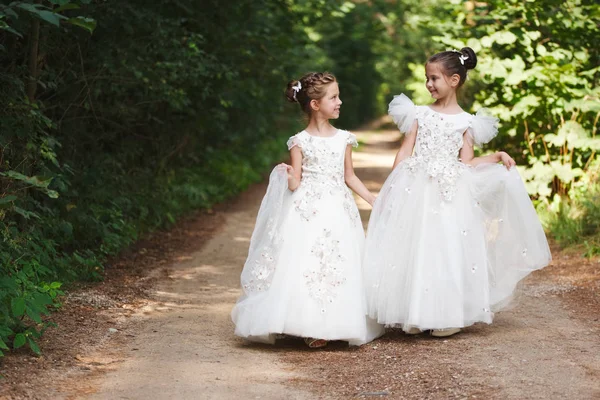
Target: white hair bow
<point x="461" y="57"/>
<point x="296" y="88"/>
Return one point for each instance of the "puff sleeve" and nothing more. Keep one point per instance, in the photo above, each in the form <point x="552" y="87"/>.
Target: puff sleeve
<point x="351" y="139"/>
<point x="483" y="127"/>
<point x="403" y="111"/>
<point x="294" y="141"/>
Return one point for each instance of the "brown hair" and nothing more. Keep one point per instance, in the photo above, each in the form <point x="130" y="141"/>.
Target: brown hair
<point x="451" y="62"/>
<point x="313" y="87"/>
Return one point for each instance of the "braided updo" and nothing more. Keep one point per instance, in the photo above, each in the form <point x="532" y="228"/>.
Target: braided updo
<point x="451" y="62"/>
<point x="313" y="87"/>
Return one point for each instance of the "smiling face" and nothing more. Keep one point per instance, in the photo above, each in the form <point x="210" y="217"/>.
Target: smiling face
<point x="329" y="105"/>
<point x="439" y="84"/>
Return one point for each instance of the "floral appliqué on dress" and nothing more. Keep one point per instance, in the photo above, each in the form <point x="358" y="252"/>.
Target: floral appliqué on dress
<point x="264" y="267"/>
<point x="436" y="151"/>
<point x="322" y="173"/>
<point x="323" y="279"/>
<point x="350" y="207"/>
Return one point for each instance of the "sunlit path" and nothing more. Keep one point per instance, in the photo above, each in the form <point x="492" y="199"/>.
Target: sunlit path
<point x="185" y="348"/>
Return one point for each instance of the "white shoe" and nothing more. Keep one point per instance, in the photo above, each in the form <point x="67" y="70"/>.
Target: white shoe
<point x="445" y="332"/>
<point x="413" y="331"/>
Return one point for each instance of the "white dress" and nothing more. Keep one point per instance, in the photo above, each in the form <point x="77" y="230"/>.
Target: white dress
<point x="447" y="243"/>
<point x="303" y="274"/>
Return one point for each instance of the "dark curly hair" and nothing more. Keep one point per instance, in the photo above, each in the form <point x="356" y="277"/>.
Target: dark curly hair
<point x="314" y="86"/>
<point x="451" y="62"/>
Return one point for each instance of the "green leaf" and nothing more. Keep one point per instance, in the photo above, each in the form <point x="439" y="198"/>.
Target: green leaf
<point x="43" y="13"/>
<point x="51" y="17"/>
<point x="573" y="133"/>
<point x="170" y="217"/>
<point x="526" y="105"/>
<point x="593" y="144"/>
<point x="541" y="50"/>
<point x="6" y="27"/>
<point x="25" y="214"/>
<point x="34" y="315"/>
<point x="3" y="345"/>
<point x="5" y="331"/>
<point x="497" y="70"/>
<point x="38" y="181"/>
<point x="11" y="13"/>
<point x="554" y="139"/>
<point x="67" y="6"/>
<point x="18" y="306"/>
<point x="19" y="340"/>
<point x="42" y="300"/>
<point x="8" y="199"/>
<point x="8" y="283"/>
<point x="86" y="23"/>
<point x="585" y="104"/>
<point x="564" y="172"/>
<point x="533" y="35"/>
<point x="504" y="37"/>
<point x="33" y="346"/>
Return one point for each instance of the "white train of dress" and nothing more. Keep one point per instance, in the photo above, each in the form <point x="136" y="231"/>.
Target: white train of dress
<point x="303" y="274"/>
<point x="447" y="243"/>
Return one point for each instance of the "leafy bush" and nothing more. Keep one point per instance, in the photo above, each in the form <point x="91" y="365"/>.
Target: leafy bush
<point x="168" y="106"/>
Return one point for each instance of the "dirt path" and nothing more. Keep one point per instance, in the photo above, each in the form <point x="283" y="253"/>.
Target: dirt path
<point x="185" y="349"/>
<point x="180" y="345"/>
<point x="546" y="347"/>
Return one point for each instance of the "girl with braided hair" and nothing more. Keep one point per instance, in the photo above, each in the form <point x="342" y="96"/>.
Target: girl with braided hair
<point x="450" y="235"/>
<point x="303" y="273"/>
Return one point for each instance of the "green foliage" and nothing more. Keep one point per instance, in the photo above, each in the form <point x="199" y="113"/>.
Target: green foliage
<point x="539" y="74"/>
<point x="24" y="298"/>
<point x="576" y="220"/>
<point x="168" y="106"/>
<point x="29" y="260"/>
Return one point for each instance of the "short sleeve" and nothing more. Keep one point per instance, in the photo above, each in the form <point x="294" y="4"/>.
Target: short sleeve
<point x="351" y="139"/>
<point x="294" y="141"/>
<point x="403" y="111"/>
<point x="483" y="127"/>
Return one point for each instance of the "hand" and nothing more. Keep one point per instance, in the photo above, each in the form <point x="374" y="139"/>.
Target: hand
<point x="372" y="200"/>
<point x="289" y="170"/>
<point x="507" y="160"/>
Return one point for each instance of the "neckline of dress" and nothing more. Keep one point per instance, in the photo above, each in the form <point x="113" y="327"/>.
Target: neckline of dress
<point x="450" y="115"/>
<point x="323" y="137"/>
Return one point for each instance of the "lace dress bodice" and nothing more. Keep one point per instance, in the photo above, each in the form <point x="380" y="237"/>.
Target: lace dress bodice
<point x="323" y="157"/>
<point x="323" y="171"/>
<point x="439" y="140"/>
<point x="440" y="136"/>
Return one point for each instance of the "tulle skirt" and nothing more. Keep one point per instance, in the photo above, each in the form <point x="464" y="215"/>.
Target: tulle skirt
<point x="316" y="289"/>
<point x="434" y="264"/>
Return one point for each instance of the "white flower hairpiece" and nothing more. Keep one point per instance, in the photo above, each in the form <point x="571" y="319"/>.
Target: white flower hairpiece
<point x="296" y="88"/>
<point x="461" y="58"/>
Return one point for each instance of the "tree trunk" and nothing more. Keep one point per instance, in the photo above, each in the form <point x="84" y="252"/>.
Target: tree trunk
<point x="34" y="41"/>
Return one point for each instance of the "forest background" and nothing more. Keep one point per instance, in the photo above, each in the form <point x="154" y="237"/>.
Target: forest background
<point x="118" y="118"/>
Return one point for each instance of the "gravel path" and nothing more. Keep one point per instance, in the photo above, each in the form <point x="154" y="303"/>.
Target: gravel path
<point x="178" y="342"/>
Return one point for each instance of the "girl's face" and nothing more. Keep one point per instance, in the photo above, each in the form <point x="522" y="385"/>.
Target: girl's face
<point x="438" y="84"/>
<point x="329" y="105"/>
